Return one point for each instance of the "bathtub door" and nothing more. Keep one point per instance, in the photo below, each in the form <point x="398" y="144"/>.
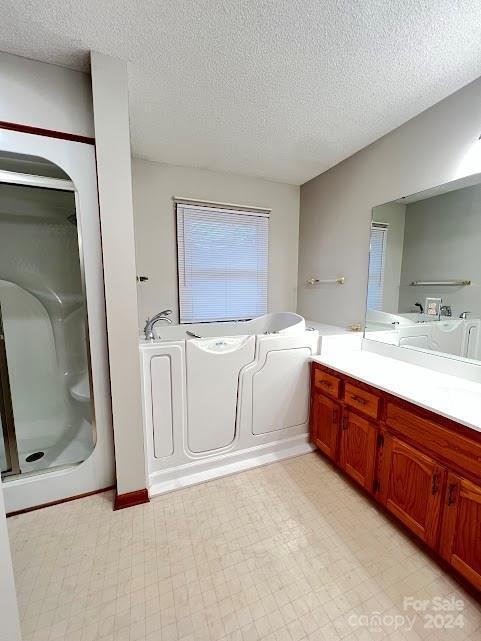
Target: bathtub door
<point x="213" y="368"/>
<point x="280" y="391"/>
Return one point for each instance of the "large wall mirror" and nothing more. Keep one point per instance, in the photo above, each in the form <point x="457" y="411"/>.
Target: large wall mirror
<point x="424" y="289"/>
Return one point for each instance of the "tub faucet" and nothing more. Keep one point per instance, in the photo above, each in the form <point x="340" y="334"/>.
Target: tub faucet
<point x="150" y="322"/>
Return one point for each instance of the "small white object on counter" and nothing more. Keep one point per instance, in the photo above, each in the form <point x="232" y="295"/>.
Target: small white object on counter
<point x="450" y="396"/>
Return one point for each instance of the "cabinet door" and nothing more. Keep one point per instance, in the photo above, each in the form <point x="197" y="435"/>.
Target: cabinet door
<point x="358" y="449"/>
<point x="325" y="416"/>
<point x="461" y="528"/>
<point x="411" y="486"/>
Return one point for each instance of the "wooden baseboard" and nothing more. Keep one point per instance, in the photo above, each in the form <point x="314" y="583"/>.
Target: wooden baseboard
<point x="129" y="499"/>
<point x="66" y="500"/>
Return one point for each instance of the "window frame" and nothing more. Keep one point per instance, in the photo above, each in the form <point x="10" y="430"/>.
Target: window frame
<point x="181" y="207"/>
<point x="384" y="228"/>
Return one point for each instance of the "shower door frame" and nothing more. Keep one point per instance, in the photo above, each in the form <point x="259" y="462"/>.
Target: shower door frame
<point x="6" y="411"/>
<point x="6" y="405"/>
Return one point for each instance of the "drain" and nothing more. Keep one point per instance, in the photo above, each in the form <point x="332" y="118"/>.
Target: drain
<point x="31" y="458"/>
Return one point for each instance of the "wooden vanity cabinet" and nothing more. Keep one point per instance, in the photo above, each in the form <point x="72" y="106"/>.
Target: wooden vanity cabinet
<point x="358" y="448"/>
<point x="423" y="468"/>
<point x="461" y="528"/>
<point x="411" y="485"/>
<point x="325" y="422"/>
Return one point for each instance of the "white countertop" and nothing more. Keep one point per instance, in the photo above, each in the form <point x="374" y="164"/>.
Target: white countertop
<point x="450" y="396"/>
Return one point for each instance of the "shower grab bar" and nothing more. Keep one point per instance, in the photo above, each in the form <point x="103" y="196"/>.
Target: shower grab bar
<point x="448" y="283"/>
<point x="334" y="281"/>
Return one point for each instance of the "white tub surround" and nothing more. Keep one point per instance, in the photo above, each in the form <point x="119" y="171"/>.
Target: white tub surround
<point x="450" y="396"/>
<point x="236" y="398"/>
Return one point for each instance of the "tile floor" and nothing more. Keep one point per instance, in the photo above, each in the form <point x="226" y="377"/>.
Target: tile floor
<point x="287" y="552"/>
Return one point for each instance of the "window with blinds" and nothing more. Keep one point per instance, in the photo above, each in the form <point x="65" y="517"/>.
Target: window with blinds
<point x="223" y="260"/>
<point x="377" y="257"/>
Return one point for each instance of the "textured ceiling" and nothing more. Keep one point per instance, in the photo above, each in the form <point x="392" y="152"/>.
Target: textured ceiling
<point x="282" y="89"/>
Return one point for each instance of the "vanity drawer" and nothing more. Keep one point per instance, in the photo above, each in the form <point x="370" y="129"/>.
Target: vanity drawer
<point x="444" y="444"/>
<point x="327" y="383"/>
<point x="361" y="400"/>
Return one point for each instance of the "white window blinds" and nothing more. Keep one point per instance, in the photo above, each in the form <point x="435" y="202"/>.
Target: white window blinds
<point x="377" y="257"/>
<point x="222" y="259"/>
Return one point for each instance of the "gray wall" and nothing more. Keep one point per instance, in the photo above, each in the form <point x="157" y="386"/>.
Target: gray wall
<point x="433" y="148"/>
<point x="154" y="185"/>
<point x="442" y="241"/>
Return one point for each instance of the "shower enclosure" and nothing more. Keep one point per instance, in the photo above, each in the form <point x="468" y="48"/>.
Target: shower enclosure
<point x="45" y="399"/>
<point x="55" y="406"/>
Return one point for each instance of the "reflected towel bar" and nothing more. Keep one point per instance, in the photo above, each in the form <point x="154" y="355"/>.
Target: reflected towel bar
<point x="336" y="281"/>
<point x="449" y="283"/>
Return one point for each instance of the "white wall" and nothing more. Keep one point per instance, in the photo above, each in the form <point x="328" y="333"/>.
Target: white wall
<point x="442" y="242"/>
<point x="42" y="95"/>
<point x="430" y="149"/>
<point x="393" y="215"/>
<point x="110" y="97"/>
<point x="155" y="184"/>
<point x="9" y="620"/>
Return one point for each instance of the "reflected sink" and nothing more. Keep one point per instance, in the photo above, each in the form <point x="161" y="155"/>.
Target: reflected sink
<point x="449" y="325"/>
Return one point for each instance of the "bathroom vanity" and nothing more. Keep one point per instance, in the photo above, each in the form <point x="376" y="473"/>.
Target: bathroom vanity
<point x="411" y="437"/>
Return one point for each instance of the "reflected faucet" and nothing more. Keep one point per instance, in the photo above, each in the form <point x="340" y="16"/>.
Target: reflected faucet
<point x="421" y="308"/>
<point x="150" y="322"/>
<point x="446" y="311"/>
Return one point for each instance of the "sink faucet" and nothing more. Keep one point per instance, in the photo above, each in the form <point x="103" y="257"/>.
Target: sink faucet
<point x="421" y="308"/>
<point x="150" y="322"/>
<point x="464" y="315"/>
<point x="446" y="310"/>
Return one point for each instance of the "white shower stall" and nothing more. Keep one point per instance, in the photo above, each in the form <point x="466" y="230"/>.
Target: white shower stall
<point x="43" y="314"/>
<point x="56" y="439"/>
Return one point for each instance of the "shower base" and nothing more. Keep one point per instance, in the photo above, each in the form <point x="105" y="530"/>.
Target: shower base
<point x="73" y="447"/>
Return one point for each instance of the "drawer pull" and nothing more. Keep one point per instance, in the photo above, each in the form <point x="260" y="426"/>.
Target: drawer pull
<point x="434" y="484"/>
<point x="451" y="493"/>
<point x="344" y="424"/>
<point x="358" y="399"/>
<point x="335" y="416"/>
<point x="326" y="383"/>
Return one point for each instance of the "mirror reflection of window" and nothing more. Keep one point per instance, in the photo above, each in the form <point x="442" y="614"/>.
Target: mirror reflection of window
<point x="377" y="259"/>
<point x="425" y="247"/>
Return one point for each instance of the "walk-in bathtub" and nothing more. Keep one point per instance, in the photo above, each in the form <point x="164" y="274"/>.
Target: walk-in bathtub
<point x="236" y="398"/>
